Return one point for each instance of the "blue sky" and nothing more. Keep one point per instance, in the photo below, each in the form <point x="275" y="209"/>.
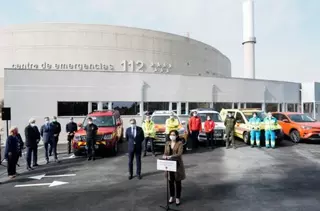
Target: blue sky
<point x="287" y="31"/>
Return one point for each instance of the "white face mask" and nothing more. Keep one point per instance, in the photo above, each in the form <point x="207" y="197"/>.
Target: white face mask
<point x="172" y="117"/>
<point x="269" y="116"/>
<point x="229" y="115"/>
<point x="33" y="124"/>
<point x="173" y="138"/>
<point x="133" y="125"/>
<point x="47" y="121"/>
<point x="89" y="123"/>
<point x="194" y="114"/>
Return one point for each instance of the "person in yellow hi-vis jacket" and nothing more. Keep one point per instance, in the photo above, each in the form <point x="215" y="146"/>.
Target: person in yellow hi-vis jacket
<point x="171" y="124"/>
<point x="149" y="130"/>
<point x="255" y="122"/>
<point x="270" y="124"/>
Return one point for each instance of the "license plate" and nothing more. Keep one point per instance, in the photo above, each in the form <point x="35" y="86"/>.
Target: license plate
<point x="96" y="146"/>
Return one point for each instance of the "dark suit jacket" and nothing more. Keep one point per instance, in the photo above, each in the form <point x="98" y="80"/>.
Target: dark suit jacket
<point x="32" y="136"/>
<point x="135" y="143"/>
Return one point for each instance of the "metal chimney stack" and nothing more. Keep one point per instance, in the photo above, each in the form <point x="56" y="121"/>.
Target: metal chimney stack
<point x="249" y="40"/>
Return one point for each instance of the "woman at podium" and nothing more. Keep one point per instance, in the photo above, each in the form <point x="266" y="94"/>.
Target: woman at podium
<point x="173" y="151"/>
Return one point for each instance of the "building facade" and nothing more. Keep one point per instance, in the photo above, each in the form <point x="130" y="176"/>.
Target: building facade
<point x="71" y="69"/>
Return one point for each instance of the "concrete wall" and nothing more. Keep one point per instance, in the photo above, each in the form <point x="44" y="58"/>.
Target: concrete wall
<point x="110" y="45"/>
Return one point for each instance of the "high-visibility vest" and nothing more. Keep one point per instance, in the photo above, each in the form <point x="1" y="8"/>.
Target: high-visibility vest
<point x="149" y="128"/>
<point x="172" y="124"/>
<point x="270" y="123"/>
<point x="255" y="123"/>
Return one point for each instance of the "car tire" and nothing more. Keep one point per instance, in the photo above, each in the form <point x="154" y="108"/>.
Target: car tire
<point x="246" y="137"/>
<point x="76" y="152"/>
<point x="115" y="149"/>
<point x="295" y="136"/>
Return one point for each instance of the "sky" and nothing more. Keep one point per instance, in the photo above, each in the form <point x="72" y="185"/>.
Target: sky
<point x="287" y="31"/>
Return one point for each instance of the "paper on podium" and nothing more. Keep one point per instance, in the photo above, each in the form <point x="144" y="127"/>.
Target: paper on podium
<point x="167" y="165"/>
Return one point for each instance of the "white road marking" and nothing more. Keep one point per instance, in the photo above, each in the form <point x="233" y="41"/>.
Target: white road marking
<point x="39" y="177"/>
<point x="52" y="184"/>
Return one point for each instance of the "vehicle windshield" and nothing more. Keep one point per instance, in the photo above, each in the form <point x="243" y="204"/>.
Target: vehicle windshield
<point x="301" y="118"/>
<point x="214" y="116"/>
<point x="161" y="120"/>
<point x="260" y="114"/>
<point x="101" y="121"/>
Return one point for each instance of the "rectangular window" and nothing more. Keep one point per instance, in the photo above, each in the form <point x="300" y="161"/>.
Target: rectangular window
<point x="72" y="108"/>
<point x="290" y="107"/>
<point x="198" y="105"/>
<point x="150" y="107"/>
<point x="127" y="108"/>
<point x="271" y="107"/>
<point x="94" y="106"/>
<point x="254" y="105"/>
<point x="183" y="108"/>
<point x="219" y="106"/>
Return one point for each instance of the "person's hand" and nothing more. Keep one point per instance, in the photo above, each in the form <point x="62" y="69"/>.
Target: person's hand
<point x="9" y="153"/>
<point x="55" y="135"/>
<point x="164" y="156"/>
<point x="168" y="157"/>
<point x="190" y="132"/>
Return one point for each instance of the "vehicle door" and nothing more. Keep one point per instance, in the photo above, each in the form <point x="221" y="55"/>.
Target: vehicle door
<point x="284" y="122"/>
<point x="240" y="125"/>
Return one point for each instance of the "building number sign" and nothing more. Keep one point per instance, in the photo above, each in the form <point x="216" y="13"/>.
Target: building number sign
<point x="140" y="66"/>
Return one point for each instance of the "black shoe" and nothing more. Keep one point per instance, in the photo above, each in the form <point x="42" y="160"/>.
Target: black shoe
<point x="144" y="155"/>
<point x="130" y="177"/>
<point x="93" y="158"/>
<point x="48" y="162"/>
<point x="89" y="158"/>
<point x="50" y="154"/>
<point x="139" y="177"/>
<point x="34" y="165"/>
<point x="29" y="168"/>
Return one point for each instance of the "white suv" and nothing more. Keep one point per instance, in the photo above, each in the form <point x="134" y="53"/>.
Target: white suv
<point x="219" y="130"/>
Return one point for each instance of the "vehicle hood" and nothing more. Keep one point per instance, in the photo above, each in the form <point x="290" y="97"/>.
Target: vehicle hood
<point x="101" y="131"/>
<point x="218" y="125"/>
<point x="310" y="124"/>
<point x="162" y="127"/>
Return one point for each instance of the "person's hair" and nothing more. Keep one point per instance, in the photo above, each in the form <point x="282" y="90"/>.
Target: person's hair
<point x="133" y="120"/>
<point x="12" y="129"/>
<point x="255" y="113"/>
<point x="175" y="132"/>
<point x="54" y="117"/>
<point x="32" y="120"/>
<point x="89" y="118"/>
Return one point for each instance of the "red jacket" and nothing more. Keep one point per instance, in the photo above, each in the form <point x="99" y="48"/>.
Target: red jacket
<point x="209" y="126"/>
<point x="195" y="124"/>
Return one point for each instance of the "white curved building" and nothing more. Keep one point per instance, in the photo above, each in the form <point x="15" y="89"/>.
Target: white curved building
<point x="72" y="69"/>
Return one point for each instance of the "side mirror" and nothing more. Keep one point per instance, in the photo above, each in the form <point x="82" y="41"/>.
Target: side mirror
<point x="183" y="122"/>
<point x="285" y="120"/>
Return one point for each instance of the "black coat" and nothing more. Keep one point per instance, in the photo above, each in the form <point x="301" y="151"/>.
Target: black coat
<point x="71" y="127"/>
<point x="32" y="136"/>
<point x="56" y="128"/>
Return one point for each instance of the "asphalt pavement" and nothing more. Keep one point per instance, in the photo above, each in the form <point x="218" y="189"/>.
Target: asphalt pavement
<point x="285" y="178"/>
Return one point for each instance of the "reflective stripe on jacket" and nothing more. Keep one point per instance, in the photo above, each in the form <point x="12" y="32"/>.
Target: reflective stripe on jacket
<point x="149" y="129"/>
<point x="172" y="124"/>
<point x="255" y="123"/>
<point x="270" y="123"/>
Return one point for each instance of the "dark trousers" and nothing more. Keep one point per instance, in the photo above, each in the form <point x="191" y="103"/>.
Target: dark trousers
<point x="146" y="140"/>
<point x="11" y="165"/>
<point x="91" y="151"/>
<point x="210" y="139"/>
<point x="174" y="186"/>
<point x="53" y="146"/>
<point x="47" y="147"/>
<point x="32" y="151"/>
<point x="194" y="138"/>
<point x="69" y="138"/>
<point x="138" y="161"/>
<point x="229" y="135"/>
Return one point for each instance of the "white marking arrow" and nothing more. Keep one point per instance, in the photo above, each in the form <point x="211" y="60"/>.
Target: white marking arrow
<point x="43" y="175"/>
<point x="53" y="184"/>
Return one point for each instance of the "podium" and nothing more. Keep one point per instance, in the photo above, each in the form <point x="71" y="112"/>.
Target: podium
<point x="167" y="166"/>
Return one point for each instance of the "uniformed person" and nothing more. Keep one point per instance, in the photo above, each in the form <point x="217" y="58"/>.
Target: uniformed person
<point x="56" y="128"/>
<point x="171" y="124"/>
<point x="149" y="134"/>
<point x="91" y="132"/>
<point x="255" y="122"/>
<point x="230" y="123"/>
<point x="270" y="124"/>
<point x="71" y="128"/>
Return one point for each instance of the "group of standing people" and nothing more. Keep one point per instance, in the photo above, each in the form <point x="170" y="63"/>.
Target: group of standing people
<point x="49" y="133"/>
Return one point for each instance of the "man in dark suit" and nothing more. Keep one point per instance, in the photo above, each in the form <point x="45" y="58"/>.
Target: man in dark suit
<point x="135" y="138"/>
<point x="47" y="134"/>
<point x="32" y="139"/>
<point x="56" y="128"/>
<point x="71" y="128"/>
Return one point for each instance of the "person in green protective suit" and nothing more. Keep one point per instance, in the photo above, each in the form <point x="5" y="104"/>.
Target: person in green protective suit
<point x="230" y="122"/>
<point x="270" y="125"/>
